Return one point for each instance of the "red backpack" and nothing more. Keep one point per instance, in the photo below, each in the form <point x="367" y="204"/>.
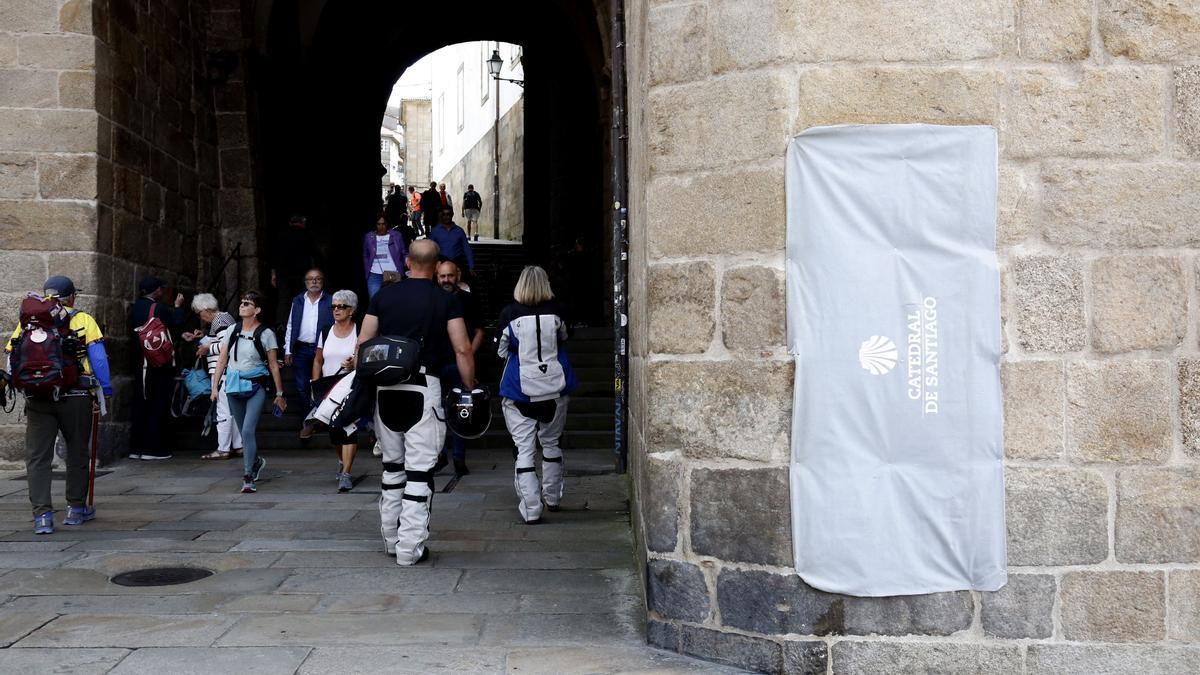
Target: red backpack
<point x="155" y="341"/>
<point x="45" y="356"/>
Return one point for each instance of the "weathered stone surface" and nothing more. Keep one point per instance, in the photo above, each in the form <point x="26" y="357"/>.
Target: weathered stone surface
<point x="183" y="660"/>
<point x="1055" y="30"/>
<point x="23" y="272"/>
<point x="676" y="590"/>
<point x="911" y="30"/>
<point x="1120" y="411"/>
<point x="61" y="51"/>
<point x="15" y="625"/>
<point x="662" y="635"/>
<point x="77" y="89"/>
<point x="34" y="16"/>
<point x="1113" y="606"/>
<point x="1110" y="205"/>
<point x="29" y="88"/>
<point x="1022" y="609"/>
<point x="231" y="130"/>
<point x="764" y="602"/>
<point x="1034" y="393"/>
<point x="1018" y="203"/>
<point x="932" y="614"/>
<point x="741" y="651"/>
<point x="67" y="176"/>
<point x="911" y="658"/>
<point x="1183" y="605"/>
<point x="1189" y="405"/>
<point x="752" y="306"/>
<point x="1187" y="108"/>
<point x="74" y="661"/>
<point x="682" y="220"/>
<point x="742" y="515"/>
<point x="18" y="176"/>
<point x="1049" y="303"/>
<point x="47" y="130"/>
<point x="847" y="94"/>
<point x="100" y="630"/>
<point x="687" y="132"/>
<point x="1138" y="302"/>
<point x="692" y="403"/>
<point x="731" y="21"/>
<point x="668" y="30"/>
<point x="1104" y="112"/>
<point x="680" y="301"/>
<point x="1045" y="659"/>
<point x="660" y="502"/>
<point x="805" y="658"/>
<point x="1156" y="516"/>
<point x="47" y="225"/>
<point x="336" y="630"/>
<point x="1056" y="516"/>
<point x="75" y="16"/>
<point x="1151" y="30"/>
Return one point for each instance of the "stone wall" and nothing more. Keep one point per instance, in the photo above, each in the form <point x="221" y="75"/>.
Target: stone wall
<point x="1098" y="109"/>
<point x="476" y="168"/>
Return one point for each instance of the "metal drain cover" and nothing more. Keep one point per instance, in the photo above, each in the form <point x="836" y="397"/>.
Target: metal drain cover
<point x="161" y="576"/>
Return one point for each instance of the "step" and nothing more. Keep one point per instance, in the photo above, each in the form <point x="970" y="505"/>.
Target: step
<point x="494" y="439"/>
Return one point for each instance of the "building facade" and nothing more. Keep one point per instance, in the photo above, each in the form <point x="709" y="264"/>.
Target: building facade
<point x="417" y="121"/>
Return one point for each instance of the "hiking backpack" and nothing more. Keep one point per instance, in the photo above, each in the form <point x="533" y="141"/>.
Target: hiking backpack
<point x="154" y="340"/>
<point x="45" y="356"/>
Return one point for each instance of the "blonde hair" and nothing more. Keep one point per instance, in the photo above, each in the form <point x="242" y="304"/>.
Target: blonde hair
<point x="533" y="286"/>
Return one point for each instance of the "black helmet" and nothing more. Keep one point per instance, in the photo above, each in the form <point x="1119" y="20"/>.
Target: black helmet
<point x="468" y="413"/>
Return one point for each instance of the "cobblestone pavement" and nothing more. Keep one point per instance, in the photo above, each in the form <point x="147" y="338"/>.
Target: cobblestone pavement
<point x="302" y="584"/>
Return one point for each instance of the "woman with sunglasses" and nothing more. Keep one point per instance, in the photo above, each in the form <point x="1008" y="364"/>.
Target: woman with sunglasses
<point x="252" y="356"/>
<point x="335" y="355"/>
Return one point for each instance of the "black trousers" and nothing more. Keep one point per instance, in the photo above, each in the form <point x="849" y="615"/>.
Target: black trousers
<point x="150" y="405"/>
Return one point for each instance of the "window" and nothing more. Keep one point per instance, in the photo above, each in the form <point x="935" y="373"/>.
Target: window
<point x="514" y="54"/>
<point x="484" y="76"/>
<point x="461" y="98"/>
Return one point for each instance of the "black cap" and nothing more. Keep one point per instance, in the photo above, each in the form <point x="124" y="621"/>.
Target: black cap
<point x="150" y="284"/>
<point x="60" y="286"/>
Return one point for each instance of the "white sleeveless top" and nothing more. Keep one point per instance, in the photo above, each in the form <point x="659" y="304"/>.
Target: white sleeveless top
<point x="335" y="350"/>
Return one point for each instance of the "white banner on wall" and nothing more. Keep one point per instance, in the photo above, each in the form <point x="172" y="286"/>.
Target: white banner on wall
<point x="893" y="305"/>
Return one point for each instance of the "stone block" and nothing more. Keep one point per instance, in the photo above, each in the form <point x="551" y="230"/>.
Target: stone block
<point x="47" y="225"/>
<point x="1151" y="30"/>
<point x="752" y="309"/>
<point x="1138" y="302"/>
<point x="932" y="614"/>
<point x="236" y="209"/>
<point x="28" y="88"/>
<point x="1156" y="516"/>
<point x="686" y="131"/>
<point x="1049" y="303"/>
<point x="680" y="301"/>
<point x="1113" y="606"/>
<point x="1034" y="395"/>
<point x="231" y="130"/>
<point x="1113" y="205"/>
<point x="8" y="50"/>
<point x="805" y="657"/>
<point x="18" y="176"/>
<point x="1104" y="112"/>
<point x="226" y="659"/>
<point x="676" y="590"/>
<point x="769" y="603"/>
<point x="847" y="94"/>
<point x="61" y="51"/>
<point x="1056" y="516"/>
<point x="47" y="130"/>
<point x="235" y="168"/>
<point x="911" y="30"/>
<point x="77" y="89"/>
<point x="1024" y="608"/>
<point x="23" y="272"/>
<point x="742" y="515"/>
<point x="730" y="22"/>
<point x="740" y="651"/>
<point x="1018" y="203"/>
<point x="1045" y="659"/>
<point x="29" y="16"/>
<point x="1055" y="30"/>
<point x="660" y="502"/>
<point x="1120" y="411"/>
<point x="673" y="32"/>
<point x="1183" y="605"/>
<point x="852" y="657"/>
<point x="74" y="661"/>
<point x="92" y="274"/>
<point x="1189" y="405"/>
<point x="67" y="176"/>
<point x="694" y="402"/>
<point x="1187" y="108"/>
<point x="75" y="16"/>
<point x="681" y="218"/>
<point x="662" y="635"/>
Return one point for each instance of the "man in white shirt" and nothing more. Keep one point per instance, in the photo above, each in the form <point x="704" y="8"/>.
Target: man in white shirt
<point x="311" y="315"/>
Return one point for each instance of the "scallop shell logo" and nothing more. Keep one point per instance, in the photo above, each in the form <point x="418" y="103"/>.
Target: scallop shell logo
<point x="878" y="355"/>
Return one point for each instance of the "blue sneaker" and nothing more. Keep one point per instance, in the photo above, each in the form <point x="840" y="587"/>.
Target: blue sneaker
<point x="78" y="515"/>
<point x="44" y="524"/>
<point x="259" y="464"/>
<point x="248" y="484"/>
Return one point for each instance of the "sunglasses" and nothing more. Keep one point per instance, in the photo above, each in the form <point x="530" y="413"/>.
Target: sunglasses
<point x="314" y="278"/>
<point x="246" y="303"/>
<point x="343" y="306"/>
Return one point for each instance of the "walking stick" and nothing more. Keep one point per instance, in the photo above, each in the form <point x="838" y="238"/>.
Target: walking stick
<point x="95" y="443"/>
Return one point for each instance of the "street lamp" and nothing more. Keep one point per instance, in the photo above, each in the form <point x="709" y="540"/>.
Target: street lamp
<point x="495" y="63"/>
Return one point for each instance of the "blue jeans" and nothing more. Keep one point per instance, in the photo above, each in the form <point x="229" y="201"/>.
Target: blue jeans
<point x="374" y="283"/>
<point x="246" y="413"/>
<point x="450" y="379"/>
<point x="302" y="362"/>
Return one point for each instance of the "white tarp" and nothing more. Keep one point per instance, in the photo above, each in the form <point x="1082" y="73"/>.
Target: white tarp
<point x="893" y="312"/>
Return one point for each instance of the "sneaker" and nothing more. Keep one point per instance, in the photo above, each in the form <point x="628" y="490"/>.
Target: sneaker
<point x="338" y="475"/>
<point x="535" y="521"/>
<point x="377" y="451"/>
<point x="345" y="484"/>
<point x="78" y="515"/>
<point x="460" y="467"/>
<point x="260" y="463"/>
<point x="306" y="432"/>
<point x="154" y="458"/>
<point x="134" y="455"/>
<point x="248" y="484"/>
<point x="44" y="523"/>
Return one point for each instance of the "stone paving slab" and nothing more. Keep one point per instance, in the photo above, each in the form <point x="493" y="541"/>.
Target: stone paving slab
<point x="450" y="603"/>
<point x="112" y="563"/>
<point x="418" y="580"/>
<point x="149" y="544"/>
<point x="277" y="515"/>
<point x="121" y="604"/>
<point x="16" y="624"/>
<point x="371" y="661"/>
<point x="204" y="660"/>
<point x="34" y="546"/>
<point x="73" y="661"/>
<point x="596" y="661"/>
<point x="36" y="559"/>
<point x="124" y="630"/>
<point x="298" y="545"/>
<point x="564" y="581"/>
<point x="91" y="582"/>
<point x="353" y="629"/>
<point x="550" y="560"/>
<point x="552" y="630"/>
<point x="552" y="602"/>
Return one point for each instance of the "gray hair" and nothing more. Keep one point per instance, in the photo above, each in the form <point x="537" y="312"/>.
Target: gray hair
<point x="204" y="301"/>
<point x="533" y="286"/>
<point x="346" y="298"/>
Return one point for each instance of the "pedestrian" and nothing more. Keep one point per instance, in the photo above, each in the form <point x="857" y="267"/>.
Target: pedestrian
<point x="431" y="206"/>
<point x="447" y="200"/>
<point x="414" y="213"/>
<point x="535" y="388"/>
<point x="229" y="439"/>
<point x="408" y="416"/>
<point x="335" y="354"/>
<point x="72" y="412"/>
<point x="293" y="253"/>
<point x="472" y="203"/>
<point x="383" y="251"/>
<point x="250" y="352"/>
<point x="452" y="242"/>
<point x="311" y="313"/>
<point x="396" y="208"/>
<point x="152" y="384"/>
<point x="448" y="279"/>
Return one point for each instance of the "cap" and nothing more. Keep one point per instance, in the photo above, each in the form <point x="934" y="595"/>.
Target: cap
<point x="150" y="284"/>
<point x="60" y="286"/>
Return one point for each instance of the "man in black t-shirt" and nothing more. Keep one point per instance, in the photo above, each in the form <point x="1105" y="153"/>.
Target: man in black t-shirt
<point x="448" y="277"/>
<point x="408" y="415"/>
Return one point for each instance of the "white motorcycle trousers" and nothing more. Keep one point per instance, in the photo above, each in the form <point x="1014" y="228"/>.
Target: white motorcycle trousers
<point x="411" y="431"/>
<point x="546" y="427"/>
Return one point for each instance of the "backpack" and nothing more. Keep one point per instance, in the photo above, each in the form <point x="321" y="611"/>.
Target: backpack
<point x="45" y="356"/>
<point x="233" y="382"/>
<point x="155" y="341"/>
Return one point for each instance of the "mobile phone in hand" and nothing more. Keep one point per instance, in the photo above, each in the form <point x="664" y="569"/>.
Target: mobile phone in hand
<point x="276" y="410"/>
